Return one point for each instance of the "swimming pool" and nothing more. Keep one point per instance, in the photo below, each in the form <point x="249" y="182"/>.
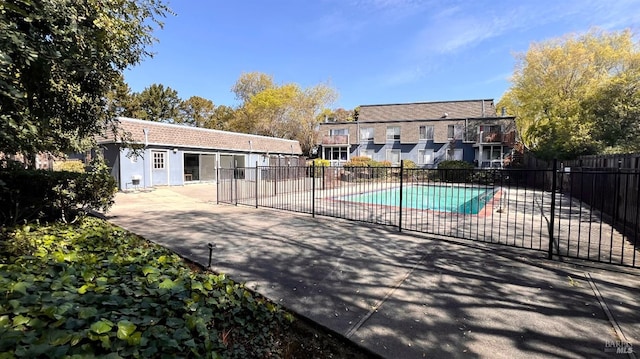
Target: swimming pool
<point x="467" y="200"/>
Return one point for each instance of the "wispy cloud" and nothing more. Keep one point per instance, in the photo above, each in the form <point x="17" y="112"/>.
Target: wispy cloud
<point x="337" y="24"/>
<point x="432" y="33"/>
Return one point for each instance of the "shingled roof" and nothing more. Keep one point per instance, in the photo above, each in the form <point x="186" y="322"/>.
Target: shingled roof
<point x="428" y="111"/>
<point x="164" y="134"/>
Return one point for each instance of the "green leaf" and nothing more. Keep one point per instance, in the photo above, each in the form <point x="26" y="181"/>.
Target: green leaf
<point x="59" y="337"/>
<point x="149" y="269"/>
<point x="88" y="275"/>
<point x="106" y="343"/>
<point x="197" y="286"/>
<point x="20" y="320"/>
<point x="135" y="338"/>
<point x="102" y="326"/>
<point x="4" y="321"/>
<point x="75" y="339"/>
<point x="125" y="328"/>
<point x="14" y="303"/>
<point x="181" y="334"/>
<point x="87" y="312"/>
<point x="174" y="322"/>
<point x="85" y="288"/>
<point x="20" y="287"/>
<point x="167" y="284"/>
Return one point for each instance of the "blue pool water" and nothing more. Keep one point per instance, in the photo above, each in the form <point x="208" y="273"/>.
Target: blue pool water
<point x="437" y="198"/>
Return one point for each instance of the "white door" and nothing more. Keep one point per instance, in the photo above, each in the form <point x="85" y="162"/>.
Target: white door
<point x="159" y="168"/>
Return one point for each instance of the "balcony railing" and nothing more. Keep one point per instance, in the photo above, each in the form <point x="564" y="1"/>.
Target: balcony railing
<point x="506" y="138"/>
<point x="335" y="140"/>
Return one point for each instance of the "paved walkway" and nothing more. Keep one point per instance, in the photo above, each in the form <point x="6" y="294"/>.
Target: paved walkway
<point x="402" y="295"/>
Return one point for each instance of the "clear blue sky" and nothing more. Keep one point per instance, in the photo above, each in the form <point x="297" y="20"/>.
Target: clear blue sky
<point x="370" y="51"/>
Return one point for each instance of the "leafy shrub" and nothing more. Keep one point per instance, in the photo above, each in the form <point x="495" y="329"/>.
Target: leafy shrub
<point x="69" y="166"/>
<point x="485" y="176"/>
<point x="319" y="162"/>
<point x="460" y="165"/>
<point x="455" y="171"/>
<point x="360" y="161"/>
<point x="92" y="289"/>
<point x="408" y="164"/>
<point x="29" y="195"/>
<point x="362" y="167"/>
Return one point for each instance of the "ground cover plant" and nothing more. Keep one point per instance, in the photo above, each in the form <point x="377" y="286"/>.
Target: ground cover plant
<point x="93" y="289"/>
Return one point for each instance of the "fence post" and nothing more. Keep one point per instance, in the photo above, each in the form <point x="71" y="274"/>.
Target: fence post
<point x="400" y="204"/>
<point x="217" y="184"/>
<point x="235" y="181"/>
<point x="616" y="211"/>
<point x="323" y="176"/>
<point x="313" y="189"/>
<point x="554" y="184"/>
<point x="256" y="184"/>
<point x="275" y="179"/>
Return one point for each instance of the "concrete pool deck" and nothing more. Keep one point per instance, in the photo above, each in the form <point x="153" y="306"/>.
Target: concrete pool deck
<point x="398" y="294"/>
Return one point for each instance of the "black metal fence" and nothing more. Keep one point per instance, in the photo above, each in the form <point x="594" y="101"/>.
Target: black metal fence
<point x="564" y="213"/>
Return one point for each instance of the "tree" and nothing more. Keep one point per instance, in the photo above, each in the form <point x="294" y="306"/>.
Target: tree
<point x="615" y="111"/>
<point x="285" y="111"/>
<point x="157" y="103"/>
<point x="196" y="111"/>
<point x="310" y="103"/>
<point x="222" y="118"/>
<point x="270" y="111"/>
<point x="551" y="83"/>
<point x="250" y="84"/>
<point x="338" y="115"/>
<point x="120" y="100"/>
<point x="58" y="60"/>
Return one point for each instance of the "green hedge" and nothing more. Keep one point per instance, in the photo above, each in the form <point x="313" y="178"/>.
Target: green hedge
<point x="30" y="195"/>
<point x="455" y="171"/>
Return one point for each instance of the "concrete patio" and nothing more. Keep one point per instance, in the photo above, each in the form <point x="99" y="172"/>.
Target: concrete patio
<point x="401" y="295"/>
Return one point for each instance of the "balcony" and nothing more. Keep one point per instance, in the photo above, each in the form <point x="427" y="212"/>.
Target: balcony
<point x="497" y="137"/>
<point x="335" y="140"/>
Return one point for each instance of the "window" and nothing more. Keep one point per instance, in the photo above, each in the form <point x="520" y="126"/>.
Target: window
<point x="425" y="157"/>
<point x="455" y="154"/>
<point x="158" y="160"/>
<point x="336" y="153"/>
<point x="393" y="156"/>
<point x="367" y="153"/>
<point x="393" y="133"/>
<point x="339" y="132"/>
<point x="366" y="134"/>
<point x="454" y="132"/>
<point x="426" y="132"/>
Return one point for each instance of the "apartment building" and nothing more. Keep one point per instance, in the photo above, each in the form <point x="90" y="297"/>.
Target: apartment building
<point x="425" y="133"/>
